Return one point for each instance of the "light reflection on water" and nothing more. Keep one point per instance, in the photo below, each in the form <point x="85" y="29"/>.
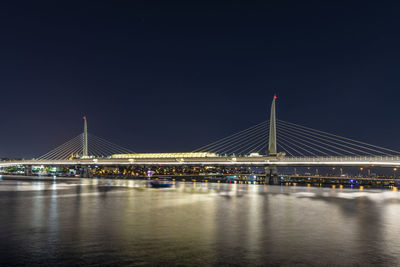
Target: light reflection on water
<point x="111" y="222"/>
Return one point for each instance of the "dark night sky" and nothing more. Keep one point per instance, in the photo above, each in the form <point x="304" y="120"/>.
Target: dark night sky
<point x="173" y="76"/>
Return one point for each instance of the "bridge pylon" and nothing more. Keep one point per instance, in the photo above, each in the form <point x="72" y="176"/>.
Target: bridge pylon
<point x="271" y="172"/>
<point x="84" y="146"/>
<point x="85" y="139"/>
<point x="272" y="130"/>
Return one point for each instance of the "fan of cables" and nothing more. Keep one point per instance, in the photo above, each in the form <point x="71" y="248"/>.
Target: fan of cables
<point x="297" y="140"/>
<point x="250" y="140"/>
<point x="97" y="147"/>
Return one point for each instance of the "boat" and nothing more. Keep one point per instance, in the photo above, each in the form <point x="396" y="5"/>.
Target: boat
<point x="158" y="184"/>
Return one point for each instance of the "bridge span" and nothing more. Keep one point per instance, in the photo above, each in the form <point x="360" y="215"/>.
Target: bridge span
<point x="262" y="161"/>
<point x="271" y="144"/>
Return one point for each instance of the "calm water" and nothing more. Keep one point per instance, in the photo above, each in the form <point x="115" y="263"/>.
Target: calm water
<point x="110" y="222"/>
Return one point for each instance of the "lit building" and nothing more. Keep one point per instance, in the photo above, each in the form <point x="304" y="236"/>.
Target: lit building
<point x="165" y="155"/>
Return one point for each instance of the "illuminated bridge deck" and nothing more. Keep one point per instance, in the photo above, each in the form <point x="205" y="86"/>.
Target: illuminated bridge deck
<point x="261" y="161"/>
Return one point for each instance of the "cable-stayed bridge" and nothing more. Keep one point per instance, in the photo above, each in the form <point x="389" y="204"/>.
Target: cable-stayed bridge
<point x="271" y="143"/>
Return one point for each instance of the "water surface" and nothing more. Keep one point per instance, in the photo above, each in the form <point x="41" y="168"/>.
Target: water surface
<point x="117" y="222"/>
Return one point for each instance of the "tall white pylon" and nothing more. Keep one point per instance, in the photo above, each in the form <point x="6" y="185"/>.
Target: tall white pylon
<point x="272" y="130"/>
<point x="85" y="138"/>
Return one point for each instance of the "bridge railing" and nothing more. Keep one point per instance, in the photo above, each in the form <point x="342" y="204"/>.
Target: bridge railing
<point x="343" y="158"/>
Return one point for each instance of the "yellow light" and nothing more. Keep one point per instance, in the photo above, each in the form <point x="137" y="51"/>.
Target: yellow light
<point x="180" y="156"/>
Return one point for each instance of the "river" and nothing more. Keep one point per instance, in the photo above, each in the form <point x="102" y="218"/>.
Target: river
<point x="69" y="222"/>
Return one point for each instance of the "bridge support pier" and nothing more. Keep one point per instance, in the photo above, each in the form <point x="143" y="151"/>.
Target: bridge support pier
<point x="83" y="171"/>
<point x="28" y="170"/>
<point x="271" y="176"/>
